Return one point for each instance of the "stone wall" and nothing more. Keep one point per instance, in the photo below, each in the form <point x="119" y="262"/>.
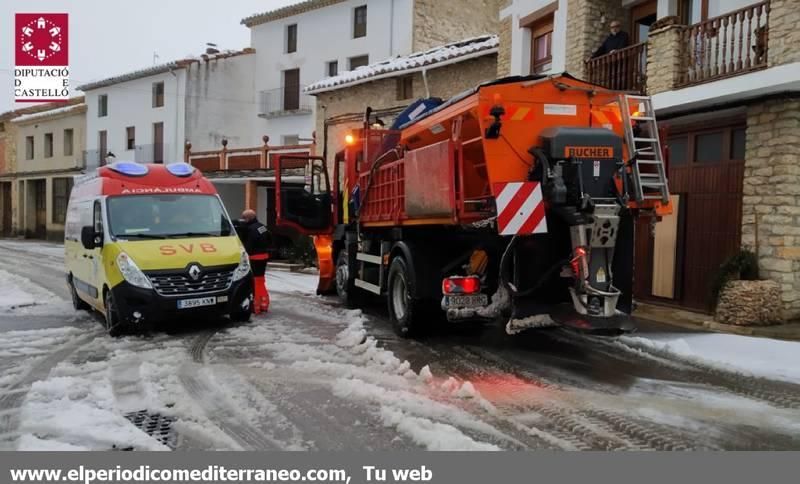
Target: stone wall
<point x="771" y="202"/>
<point x="664" y="67"/>
<point x="784" y="35"/>
<point x="585" y="31"/>
<point x="438" y="22"/>
<point x="504" y="50"/>
<point x="444" y="82"/>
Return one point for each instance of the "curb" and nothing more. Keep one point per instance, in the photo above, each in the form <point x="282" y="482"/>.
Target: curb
<point x="696" y="321"/>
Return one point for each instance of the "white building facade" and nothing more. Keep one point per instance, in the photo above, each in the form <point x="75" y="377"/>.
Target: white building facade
<point x="298" y="45"/>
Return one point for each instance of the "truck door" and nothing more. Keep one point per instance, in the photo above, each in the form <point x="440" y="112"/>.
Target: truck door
<point x="302" y="194"/>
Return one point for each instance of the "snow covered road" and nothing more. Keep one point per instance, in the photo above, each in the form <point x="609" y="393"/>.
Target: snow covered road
<point x="311" y="375"/>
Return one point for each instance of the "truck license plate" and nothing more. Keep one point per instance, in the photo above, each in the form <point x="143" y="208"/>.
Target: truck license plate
<point x="196" y="302"/>
<point x="468" y="301"/>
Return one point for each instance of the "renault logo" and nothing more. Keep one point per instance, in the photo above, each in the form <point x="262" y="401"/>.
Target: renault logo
<point x="194" y="272"/>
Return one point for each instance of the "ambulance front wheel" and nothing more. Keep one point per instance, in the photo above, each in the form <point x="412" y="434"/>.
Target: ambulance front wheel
<point x="114" y="324"/>
<point x="242" y="315"/>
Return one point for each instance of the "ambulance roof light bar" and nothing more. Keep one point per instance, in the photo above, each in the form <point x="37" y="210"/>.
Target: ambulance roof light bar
<point x="129" y="168"/>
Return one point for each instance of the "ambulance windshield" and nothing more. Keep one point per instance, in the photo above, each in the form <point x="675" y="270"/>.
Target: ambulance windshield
<point x="167" y="216"/>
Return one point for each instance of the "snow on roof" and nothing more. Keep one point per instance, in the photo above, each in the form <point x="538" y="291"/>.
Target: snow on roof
<point x="288" y="11"/>
<point x="49" y="113"/>
<point x="147" y="72"/>
<point x="448" y="53"/>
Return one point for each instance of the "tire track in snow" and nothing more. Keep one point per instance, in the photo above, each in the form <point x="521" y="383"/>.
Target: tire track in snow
<point x="608" y="429"/>
<point x="14" y="395"/>
<point x="780" y="394"/>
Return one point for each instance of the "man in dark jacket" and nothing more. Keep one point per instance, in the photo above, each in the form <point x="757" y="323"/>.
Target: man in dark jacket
<point x="615" y="41"/>
<point x="256" y="239"/>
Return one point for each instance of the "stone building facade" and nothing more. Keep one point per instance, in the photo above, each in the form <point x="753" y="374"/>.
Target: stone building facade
<point x="437" y="22"/>
<point x="343" y="108"/>
<point x="758" y="104"/>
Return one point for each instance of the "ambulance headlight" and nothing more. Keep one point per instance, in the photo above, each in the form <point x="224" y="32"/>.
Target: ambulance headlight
<point x="244" y="267"/>
<point x="131" y="272"/>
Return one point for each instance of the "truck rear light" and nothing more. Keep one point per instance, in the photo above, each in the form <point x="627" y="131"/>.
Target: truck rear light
<point x="577" y="260"/>
<point x="461" y="285"/>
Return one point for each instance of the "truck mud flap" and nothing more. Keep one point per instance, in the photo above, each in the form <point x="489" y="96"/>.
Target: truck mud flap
<point x="566" y="316"/>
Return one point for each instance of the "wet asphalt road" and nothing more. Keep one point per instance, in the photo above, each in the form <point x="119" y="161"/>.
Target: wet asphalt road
<point x="290" y="380"/>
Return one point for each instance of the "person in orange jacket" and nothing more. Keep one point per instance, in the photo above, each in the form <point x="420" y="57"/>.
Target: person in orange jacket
<point x="256" y="240"/>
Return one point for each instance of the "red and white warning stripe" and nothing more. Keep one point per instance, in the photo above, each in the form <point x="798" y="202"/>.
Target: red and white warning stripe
<point x="520" y="208"/>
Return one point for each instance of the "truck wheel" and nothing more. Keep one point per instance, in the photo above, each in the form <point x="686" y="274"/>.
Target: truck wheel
<point x="114" y="325"/>
<point x="77" y="303"/>
<point x="345" y="286"/>
<point x="403" y="307"/>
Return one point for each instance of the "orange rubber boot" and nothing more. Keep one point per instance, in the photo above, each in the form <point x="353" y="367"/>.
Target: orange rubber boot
<point x="264" y="297"/>
<point x="259" y="292"/>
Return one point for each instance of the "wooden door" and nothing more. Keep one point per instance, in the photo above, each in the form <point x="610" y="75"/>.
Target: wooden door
<point x="706" y="171"/>
<point x="291" y="90"/>
<point x="158" y="142"/>
<point x="642" y="17"/>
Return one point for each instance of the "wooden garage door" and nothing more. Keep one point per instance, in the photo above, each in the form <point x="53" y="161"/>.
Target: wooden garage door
<point x="706" y="172"/>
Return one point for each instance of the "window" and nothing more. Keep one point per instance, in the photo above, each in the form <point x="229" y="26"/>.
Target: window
<point x="358" y="61"/>
<point x="360" y="22"/>
<point x="708" y="147"/>
<point x="678" y="150"/>
<point x="2" y="127"/>
<point x="68" y="142"/>
<point x="29" y="148"/>
<point x="158" y="94"/>
<point x="97" y="217"/>
<point x="291" y="90"/>
<point x="405" y="87"/>
<point x="130" y="136"/>
<point x="102" y="106"/>
<point x="102" y="142"/>
<point x="702" y="144"/>
<point x="291" y="38"/>
<point x="290" y="140"/>
<point x="61" y="189"/>
<point x="48" y="145"/>
<point x="738" y="144"/>
<point x="541" y="44"/>
<point x="333" y="68"/>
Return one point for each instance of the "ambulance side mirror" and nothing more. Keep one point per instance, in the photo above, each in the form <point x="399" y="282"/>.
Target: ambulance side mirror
<point x="88" y="238"/>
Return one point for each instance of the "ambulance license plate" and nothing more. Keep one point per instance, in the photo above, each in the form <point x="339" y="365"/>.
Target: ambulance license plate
<point x="196" y="302"/>
<point x="467" y="301"/>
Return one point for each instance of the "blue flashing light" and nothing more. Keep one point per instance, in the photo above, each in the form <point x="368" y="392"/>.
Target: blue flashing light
<point x="130" y="168"/>
<point x="180" y="169"/>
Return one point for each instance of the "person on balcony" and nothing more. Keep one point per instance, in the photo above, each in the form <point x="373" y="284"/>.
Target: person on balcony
<point x="609" y="72"/>
<point x="615" y="41"/>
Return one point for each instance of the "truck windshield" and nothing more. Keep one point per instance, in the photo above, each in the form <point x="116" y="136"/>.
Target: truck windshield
<point x="167" y="216"/>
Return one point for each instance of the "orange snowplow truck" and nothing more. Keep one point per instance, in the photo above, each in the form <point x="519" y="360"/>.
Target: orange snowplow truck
<point x="516" y="199"/>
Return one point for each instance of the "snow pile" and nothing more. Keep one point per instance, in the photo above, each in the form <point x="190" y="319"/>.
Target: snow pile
<point x="760" y="357"/>
<point x="17" y="291"/>
<point x="53" y="251"/>
<point x="320" y="346"/>
<point x="75" y="407"/>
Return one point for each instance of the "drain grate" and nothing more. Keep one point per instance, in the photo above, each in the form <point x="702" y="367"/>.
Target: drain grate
<point x="155" y="425"/>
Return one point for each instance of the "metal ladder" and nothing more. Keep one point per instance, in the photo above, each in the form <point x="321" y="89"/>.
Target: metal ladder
<point x="649" y="173"/>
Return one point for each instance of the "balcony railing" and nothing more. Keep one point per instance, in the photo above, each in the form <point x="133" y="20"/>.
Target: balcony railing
<point x="724" y="46"/>
<point x="285" y="101"/>
<point x="624" y="70"/>
<point x="234" y="159"/>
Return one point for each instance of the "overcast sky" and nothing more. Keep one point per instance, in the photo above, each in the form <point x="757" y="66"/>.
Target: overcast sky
<point x="110" y="37"/>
